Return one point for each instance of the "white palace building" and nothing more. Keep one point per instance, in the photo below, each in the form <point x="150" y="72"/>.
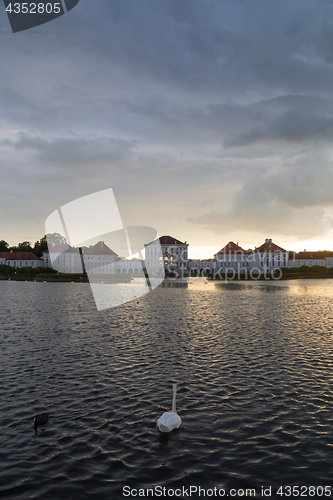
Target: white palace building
<point x="170" y="253"/>
<point x="98" y="259"/>
<point x="20" y="259"/>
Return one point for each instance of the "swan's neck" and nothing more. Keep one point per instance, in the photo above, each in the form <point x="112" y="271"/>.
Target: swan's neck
<point x="174" y="398"/>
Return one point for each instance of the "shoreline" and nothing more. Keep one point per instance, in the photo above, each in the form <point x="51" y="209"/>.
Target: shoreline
<point x="59" y="279"/>
<point x="43" y="280"/>
<point x="34" y="279"/>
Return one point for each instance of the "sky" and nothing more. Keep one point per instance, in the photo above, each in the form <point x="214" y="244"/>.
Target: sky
<point x="211" y="120"/>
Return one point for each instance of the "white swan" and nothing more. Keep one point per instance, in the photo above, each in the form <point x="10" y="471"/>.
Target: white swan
<point x="170" y="420"/>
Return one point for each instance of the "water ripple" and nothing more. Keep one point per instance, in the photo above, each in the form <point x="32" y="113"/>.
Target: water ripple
<point x="255" y="376"/>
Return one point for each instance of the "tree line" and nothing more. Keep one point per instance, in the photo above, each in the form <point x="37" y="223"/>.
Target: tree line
<point x="26" y="246"/>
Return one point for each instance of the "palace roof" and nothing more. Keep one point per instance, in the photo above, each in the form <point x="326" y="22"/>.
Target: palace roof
<point x="313" y="255"/>
<point x="169" y="240"/>
<point x="18" y="256"/>
<point x="62" y="248"/>
<point x="231" y="248"/>
<point x="269" y="246"/>
<point x="99" y="249"/>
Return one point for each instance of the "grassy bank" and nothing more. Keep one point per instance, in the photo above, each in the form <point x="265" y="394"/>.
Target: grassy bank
<point x="50" y="275"/>
<point x="38" y="274"/>
<point x="303" y="272"/>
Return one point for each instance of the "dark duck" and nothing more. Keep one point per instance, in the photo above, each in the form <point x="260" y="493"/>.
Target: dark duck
<point x="41" y="419"/>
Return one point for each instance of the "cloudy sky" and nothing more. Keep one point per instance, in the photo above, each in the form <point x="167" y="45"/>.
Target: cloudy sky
<point x="212" y="120"/>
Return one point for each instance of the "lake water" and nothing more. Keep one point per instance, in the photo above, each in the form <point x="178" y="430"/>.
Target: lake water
<point x="254" y="367"/>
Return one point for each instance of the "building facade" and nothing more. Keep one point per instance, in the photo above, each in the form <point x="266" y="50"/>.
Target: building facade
<point x="200" y="266"/>
<point x="99" y="259"/>
<point x="63" y="258"/>
<point x="323" y="258"/>
<point x="167" y="255"/>
<point x="232" y="257"/>
<point x="20" y="259"/>
<point x="268" y="257"/>
<point x="169" y="252"/>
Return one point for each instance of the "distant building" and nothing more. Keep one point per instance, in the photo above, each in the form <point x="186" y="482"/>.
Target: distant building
<point x="202" y="266"/>
<point x="129" y="266"/>
<point x="268" y="256"/>
<point x="100" y="259"/>
<point x="20" y="259"/>
<point x="63" y="258"/>
<point x="232" y="256"/>
<point x="321" y="258"/>
<point x="171" y="253"/>
<point x="166" y="254"/>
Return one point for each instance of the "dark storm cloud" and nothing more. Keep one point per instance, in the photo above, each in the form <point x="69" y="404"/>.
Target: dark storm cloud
<point x="183" y="101"/>
<point x="294" y="118"/>
<point x="73" y="151"/>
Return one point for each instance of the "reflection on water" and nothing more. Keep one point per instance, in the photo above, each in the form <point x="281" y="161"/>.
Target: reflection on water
<point x="169" y="283"/>
<point x="254" y="372"/>
<point x="108" y="295"/>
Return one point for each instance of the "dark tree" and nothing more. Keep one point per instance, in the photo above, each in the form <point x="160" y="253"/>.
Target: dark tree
<point x="40" y="246"/>
<point x="4" y="247"/>
<point x="25" y="246"/>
